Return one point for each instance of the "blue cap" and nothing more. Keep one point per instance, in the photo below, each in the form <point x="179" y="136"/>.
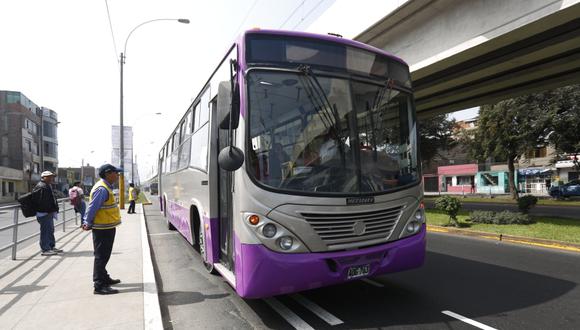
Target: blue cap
<point x="108" y="168"/>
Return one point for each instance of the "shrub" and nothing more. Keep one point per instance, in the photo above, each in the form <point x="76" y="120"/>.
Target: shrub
<point x="511" y="218"/>
<point x="525" y="203"/>
<point x="482" y="216"/>
<point x="500" y="218"/>
<point x="451" y="206"/>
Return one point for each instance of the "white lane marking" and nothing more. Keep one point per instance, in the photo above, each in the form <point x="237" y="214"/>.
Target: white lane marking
<point x="468" y="321"/>
<point x="288" y="315"/>
<point x="151" y="309"/>
<point x="319" y="311"/>
<point x="163" y="234"/>
<point x="371" y="282"/>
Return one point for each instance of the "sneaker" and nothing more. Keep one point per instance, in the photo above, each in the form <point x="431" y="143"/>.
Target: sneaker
<point x="48" y="253"/>
<point x="57" y="250"/>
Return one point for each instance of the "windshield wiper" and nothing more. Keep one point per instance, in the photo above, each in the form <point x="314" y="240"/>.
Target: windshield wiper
<point x="325" y="110"/>
<point x="375" y="109"/>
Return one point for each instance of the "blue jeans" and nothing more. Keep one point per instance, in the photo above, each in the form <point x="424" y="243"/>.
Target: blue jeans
<point x="47" y="240"/>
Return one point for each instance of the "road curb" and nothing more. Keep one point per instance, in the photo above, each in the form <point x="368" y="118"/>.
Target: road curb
<point x="551" y="244"/>
<point x="151" y="308"/>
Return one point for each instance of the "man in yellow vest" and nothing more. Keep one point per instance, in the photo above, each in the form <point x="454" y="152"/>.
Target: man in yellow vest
<point x="132" y="198"/>
<point x="102" y="216"/>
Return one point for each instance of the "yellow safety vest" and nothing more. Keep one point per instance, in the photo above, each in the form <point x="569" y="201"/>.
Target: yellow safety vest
<point x="131" y="190"/>
<point x="109" y="215"/>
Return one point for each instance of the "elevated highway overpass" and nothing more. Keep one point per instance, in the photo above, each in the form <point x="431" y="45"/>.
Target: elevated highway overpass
<point x="468" y="53"/>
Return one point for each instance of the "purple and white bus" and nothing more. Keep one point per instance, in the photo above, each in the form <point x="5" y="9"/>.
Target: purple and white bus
<point x="297" y="167"/>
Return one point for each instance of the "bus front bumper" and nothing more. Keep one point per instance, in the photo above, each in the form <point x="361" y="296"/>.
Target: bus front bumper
<point x="261" y="272"/>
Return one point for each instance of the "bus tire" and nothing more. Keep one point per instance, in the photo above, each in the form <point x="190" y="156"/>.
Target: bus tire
<point x="195" y="226"/>
<point x="207" y="265"/>
<point x="170" y="226"/>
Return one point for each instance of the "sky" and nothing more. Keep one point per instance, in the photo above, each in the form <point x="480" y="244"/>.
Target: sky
<point x="63" y="55"/>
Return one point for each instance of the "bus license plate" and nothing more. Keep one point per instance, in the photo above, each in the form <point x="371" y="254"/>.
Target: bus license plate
<point x="358" y="271"/>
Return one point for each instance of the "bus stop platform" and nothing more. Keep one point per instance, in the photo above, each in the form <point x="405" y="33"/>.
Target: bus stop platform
<point x="56" y="292"/>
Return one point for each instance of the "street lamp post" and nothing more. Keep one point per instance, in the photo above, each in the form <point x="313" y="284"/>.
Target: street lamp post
<point x="121" y="137"/>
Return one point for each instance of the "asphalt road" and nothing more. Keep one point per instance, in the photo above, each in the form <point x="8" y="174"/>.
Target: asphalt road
<point x="497" y="284"/>
<point x="572" y="212"/>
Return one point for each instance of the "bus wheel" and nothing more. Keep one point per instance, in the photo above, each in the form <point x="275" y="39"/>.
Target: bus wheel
<point x="208" y="266"/>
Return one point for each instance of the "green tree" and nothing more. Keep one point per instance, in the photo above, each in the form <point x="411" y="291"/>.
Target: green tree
<point x="510" y="128"/>
<point x="435" y="135"/>
<point x="565" y="122"/>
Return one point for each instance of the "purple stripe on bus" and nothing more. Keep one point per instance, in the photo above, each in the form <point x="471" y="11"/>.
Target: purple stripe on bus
<point x="274" y="273"/>
<point x="179" y="218"/>
<point x="212" y="246"/>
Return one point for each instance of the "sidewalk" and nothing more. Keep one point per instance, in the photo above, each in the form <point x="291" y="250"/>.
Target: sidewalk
<point x="56" y="292"/>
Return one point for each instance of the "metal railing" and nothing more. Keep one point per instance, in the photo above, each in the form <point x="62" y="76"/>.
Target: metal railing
<point x="16" y="223"/>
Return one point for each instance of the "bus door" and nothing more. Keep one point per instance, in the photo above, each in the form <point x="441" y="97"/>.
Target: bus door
<point x="224" y="202"/>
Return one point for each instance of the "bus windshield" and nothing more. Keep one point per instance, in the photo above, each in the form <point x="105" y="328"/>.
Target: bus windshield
<point x="329" y="135"/>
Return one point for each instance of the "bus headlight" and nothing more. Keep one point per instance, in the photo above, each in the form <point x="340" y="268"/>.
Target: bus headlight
<point x="269" y="230"/>
<point x="415" y="223"/>
<point x="285" y="242"/>
<point x="413" y="227"/>
<point x="272" y="234"/>
<point x="419" y="215"/>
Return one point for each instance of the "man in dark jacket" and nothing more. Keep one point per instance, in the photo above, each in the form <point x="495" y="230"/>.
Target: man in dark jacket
<point x="46" y="212"/>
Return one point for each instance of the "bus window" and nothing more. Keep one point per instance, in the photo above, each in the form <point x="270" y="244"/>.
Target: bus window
<point x="174" y="141"/>
<point x="204" y="114"/>
<point x="190" y="117"/>
<point x="199" y="148"/>
<point x="181" y="132"/>
<point x="196" y="116"/>
<point x="166" y="159"/>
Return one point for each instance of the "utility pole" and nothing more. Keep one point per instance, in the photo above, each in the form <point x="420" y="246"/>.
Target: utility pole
<point x="122" y="147"/>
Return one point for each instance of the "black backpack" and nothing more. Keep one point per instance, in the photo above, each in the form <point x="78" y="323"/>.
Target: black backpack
<point x="27" y="205"/>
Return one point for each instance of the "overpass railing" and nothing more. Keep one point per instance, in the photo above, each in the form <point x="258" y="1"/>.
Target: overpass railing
<point x="15" y="209"/>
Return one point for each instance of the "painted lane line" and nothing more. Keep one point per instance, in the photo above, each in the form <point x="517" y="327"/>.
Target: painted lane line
<point x="316" y="309"/>
<point x="288" y="315"/>
<point x="371" y="282"/>
<point x="151" y="309"/>
<point x="468" y="321"/>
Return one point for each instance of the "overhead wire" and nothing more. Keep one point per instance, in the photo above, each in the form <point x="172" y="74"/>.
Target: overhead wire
<point x="245" y="17"/>
<point x="292" y="14"/>
<point x="111" y="28"/>
<point x="307" y="14"/>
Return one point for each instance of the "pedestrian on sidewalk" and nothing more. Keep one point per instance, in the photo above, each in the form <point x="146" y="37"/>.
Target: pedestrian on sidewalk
<point x="103" y="216"/>
<point x="132" y="198"/>
<point x="46" y="212"/>
<point x="77" y="199"/>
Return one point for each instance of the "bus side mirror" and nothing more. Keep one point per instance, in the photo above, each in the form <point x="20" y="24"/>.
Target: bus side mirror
<point x="231" y="158"/>
<point x="228" y="105"/>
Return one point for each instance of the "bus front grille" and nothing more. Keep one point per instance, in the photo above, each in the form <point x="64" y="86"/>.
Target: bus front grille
<point x="353" y="227"/>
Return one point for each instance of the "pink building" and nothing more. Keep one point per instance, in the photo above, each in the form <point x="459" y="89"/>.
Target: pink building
<point x="457" y="178"/>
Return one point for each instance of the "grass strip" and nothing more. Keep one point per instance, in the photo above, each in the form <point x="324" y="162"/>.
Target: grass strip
<point x="504" y="200"/>
<point x="552" y="228"/>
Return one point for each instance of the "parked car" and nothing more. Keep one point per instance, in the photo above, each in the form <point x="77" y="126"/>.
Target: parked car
<point x="569" y="189"/>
